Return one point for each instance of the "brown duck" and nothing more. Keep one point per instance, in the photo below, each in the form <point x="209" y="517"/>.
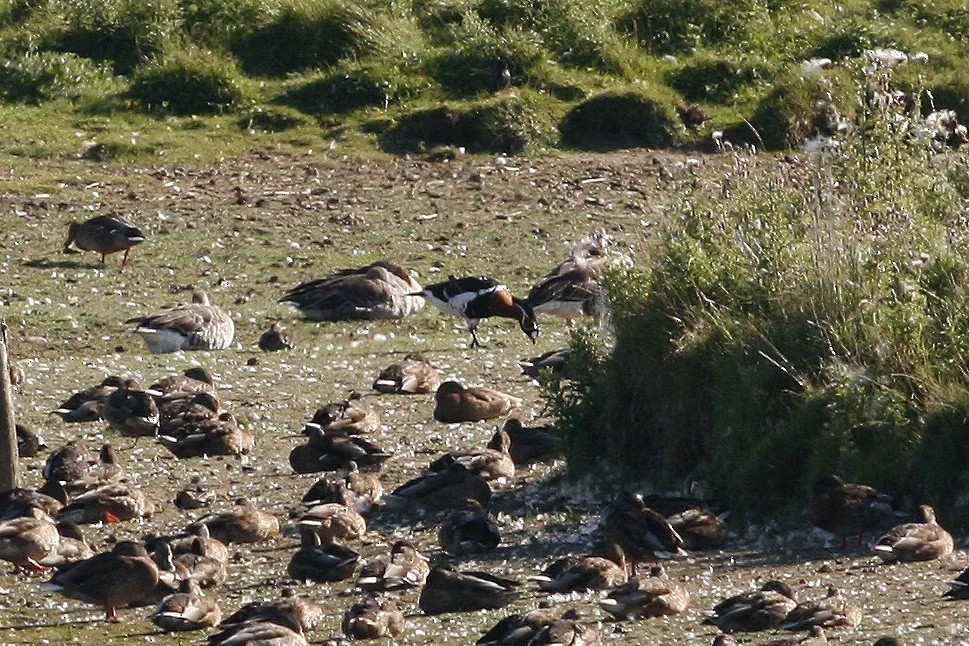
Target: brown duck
<point x="833" y="611"/>
<point x="440" y="490"/>
<point x="528" y="444"/>
<point x="489" y="463"/>
<point x="404" y="567"/>
<point x="447" y="590"/>
<point x="468" y="530"/>
<point x="603" y="569"/>
<point x="111" y="503"/>
<point x="373" y="617"/>
<point x="277" y="337"/>
<point x="105" y="234"/>
<point x="643" y="534"/>
<point x="762" y="609"/>
<point x="28" y="541"/>
<point x="187" y="609"/>
<point x="321" y="562"/>
<point x="412" y="376"/>
<point x="109" y="579"/>
<point x="653" y="595"/>
<point x="244" y="523"/>
<point x="456" y="403"/>
<point x="922" y="541"/>
<point x="847" y="509"/>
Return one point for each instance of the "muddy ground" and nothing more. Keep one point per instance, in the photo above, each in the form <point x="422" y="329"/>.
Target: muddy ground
<point x="247" y="230"/>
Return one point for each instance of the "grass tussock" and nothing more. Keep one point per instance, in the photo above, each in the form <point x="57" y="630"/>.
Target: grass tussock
<point x="339" y="61"/>
<point x="810" y="321"/>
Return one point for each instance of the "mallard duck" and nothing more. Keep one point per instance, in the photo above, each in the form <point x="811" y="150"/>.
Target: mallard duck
<point x="29" y="443"/>
<point x="28" y="541"/>
<point x="643" y="534"/>
<point x="196" y="540"/>
<point x="179" y="412"/>
<point x="528" y="444"/>
<point x="111" y="503"/>
<point x="603" y="569"/>
<point x="815" y="637"/>
<point x="105" y="234"/>
<point x="352" y="416"/>
<point x="447" y="590"/>
<point x="468" y="530"/>
<point x="412" y="376"/>
<point x="440" y="490"/>
<point x="847" y="509"/>
<point x="833" y="611"/>
<point x="404" y="567"/>
<point x="299" y="612"/>
<point x="654" y="595"/>
<point x="554" y="362"/>
<point x="71" y="548"/>
<point x="198" y="325"/>
<point x="110" y="579"/>
<point x="335" y="450"/>
<point x="922" y="541"/>
<point x="762" y="609"/>
<point x="382" y="290"/>
<point x="373" y="617"/>
<point x="131" y="411"/>
<point x="519" y="629"/>
<point x="244" y="523"/>
<point x="456" y="403"/>
<point x="277" y="631"/>
<point x="333" y="520"/>
<point x="194" y="495"/>
<point x="103" y="471"/>
<point x="363" y="490"/>
<point x="478" y="297"/>
<point x="206" y="437"/>
<point x="490" y="464"/>
<point x="69" y="463"/>
<point x="700" y="527"/>
<point x="321" y="562"/>
<point x="192" y="380"/>
<point x="567" y="631"/>
<point x="277" y="337"/>
<point x="86" y="405"/>
<point x="187" y="609"/>
<point x="21" y="501"/>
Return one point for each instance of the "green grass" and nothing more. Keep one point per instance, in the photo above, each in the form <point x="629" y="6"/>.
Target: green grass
<point x="340" y="63"/>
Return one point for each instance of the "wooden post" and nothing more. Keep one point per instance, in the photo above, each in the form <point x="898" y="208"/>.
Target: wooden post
<point x="8" y="429"/>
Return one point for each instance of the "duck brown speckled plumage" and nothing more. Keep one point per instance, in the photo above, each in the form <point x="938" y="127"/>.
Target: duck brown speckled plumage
<point x="468" y="530"/>
<point x="652" y="595"/>
<point x="109" y="579"/>
<point x="414" y="375"/>
<point x="28" y="541"/>
<point x="643" y="534"/>
<point x="832" y="611"/>
<point x="187" y="609"/>
<point x="404" y="567"/>
<point x="373" y="617"/>
<point x="921" y="541"/>
<point x="603" y="569"/>
<point x="440" y="490"/>
<point x="105" y="234"/>
<point x="277" y="337"/>
<point x="847" y="509"/>
<point x="756" y="610"/>
<point x="321" y="562"/>
<point x="108" y="504"/>
<point x="489" y="463"/>
<point x="243" y="523"/>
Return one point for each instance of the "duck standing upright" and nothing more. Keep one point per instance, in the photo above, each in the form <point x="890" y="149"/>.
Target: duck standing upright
<point x="478" y="297"/>
<point x="105" y="234"/>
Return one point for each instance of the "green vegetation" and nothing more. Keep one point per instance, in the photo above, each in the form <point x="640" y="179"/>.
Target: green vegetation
<point x="345" y="66"/>
<point x="813" y="319"/>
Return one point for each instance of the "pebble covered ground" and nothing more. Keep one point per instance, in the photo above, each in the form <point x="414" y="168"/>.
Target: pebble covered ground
<point x="249" y="230"/>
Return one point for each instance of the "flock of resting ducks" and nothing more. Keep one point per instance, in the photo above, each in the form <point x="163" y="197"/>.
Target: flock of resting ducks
<point x="39" y="528"/>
